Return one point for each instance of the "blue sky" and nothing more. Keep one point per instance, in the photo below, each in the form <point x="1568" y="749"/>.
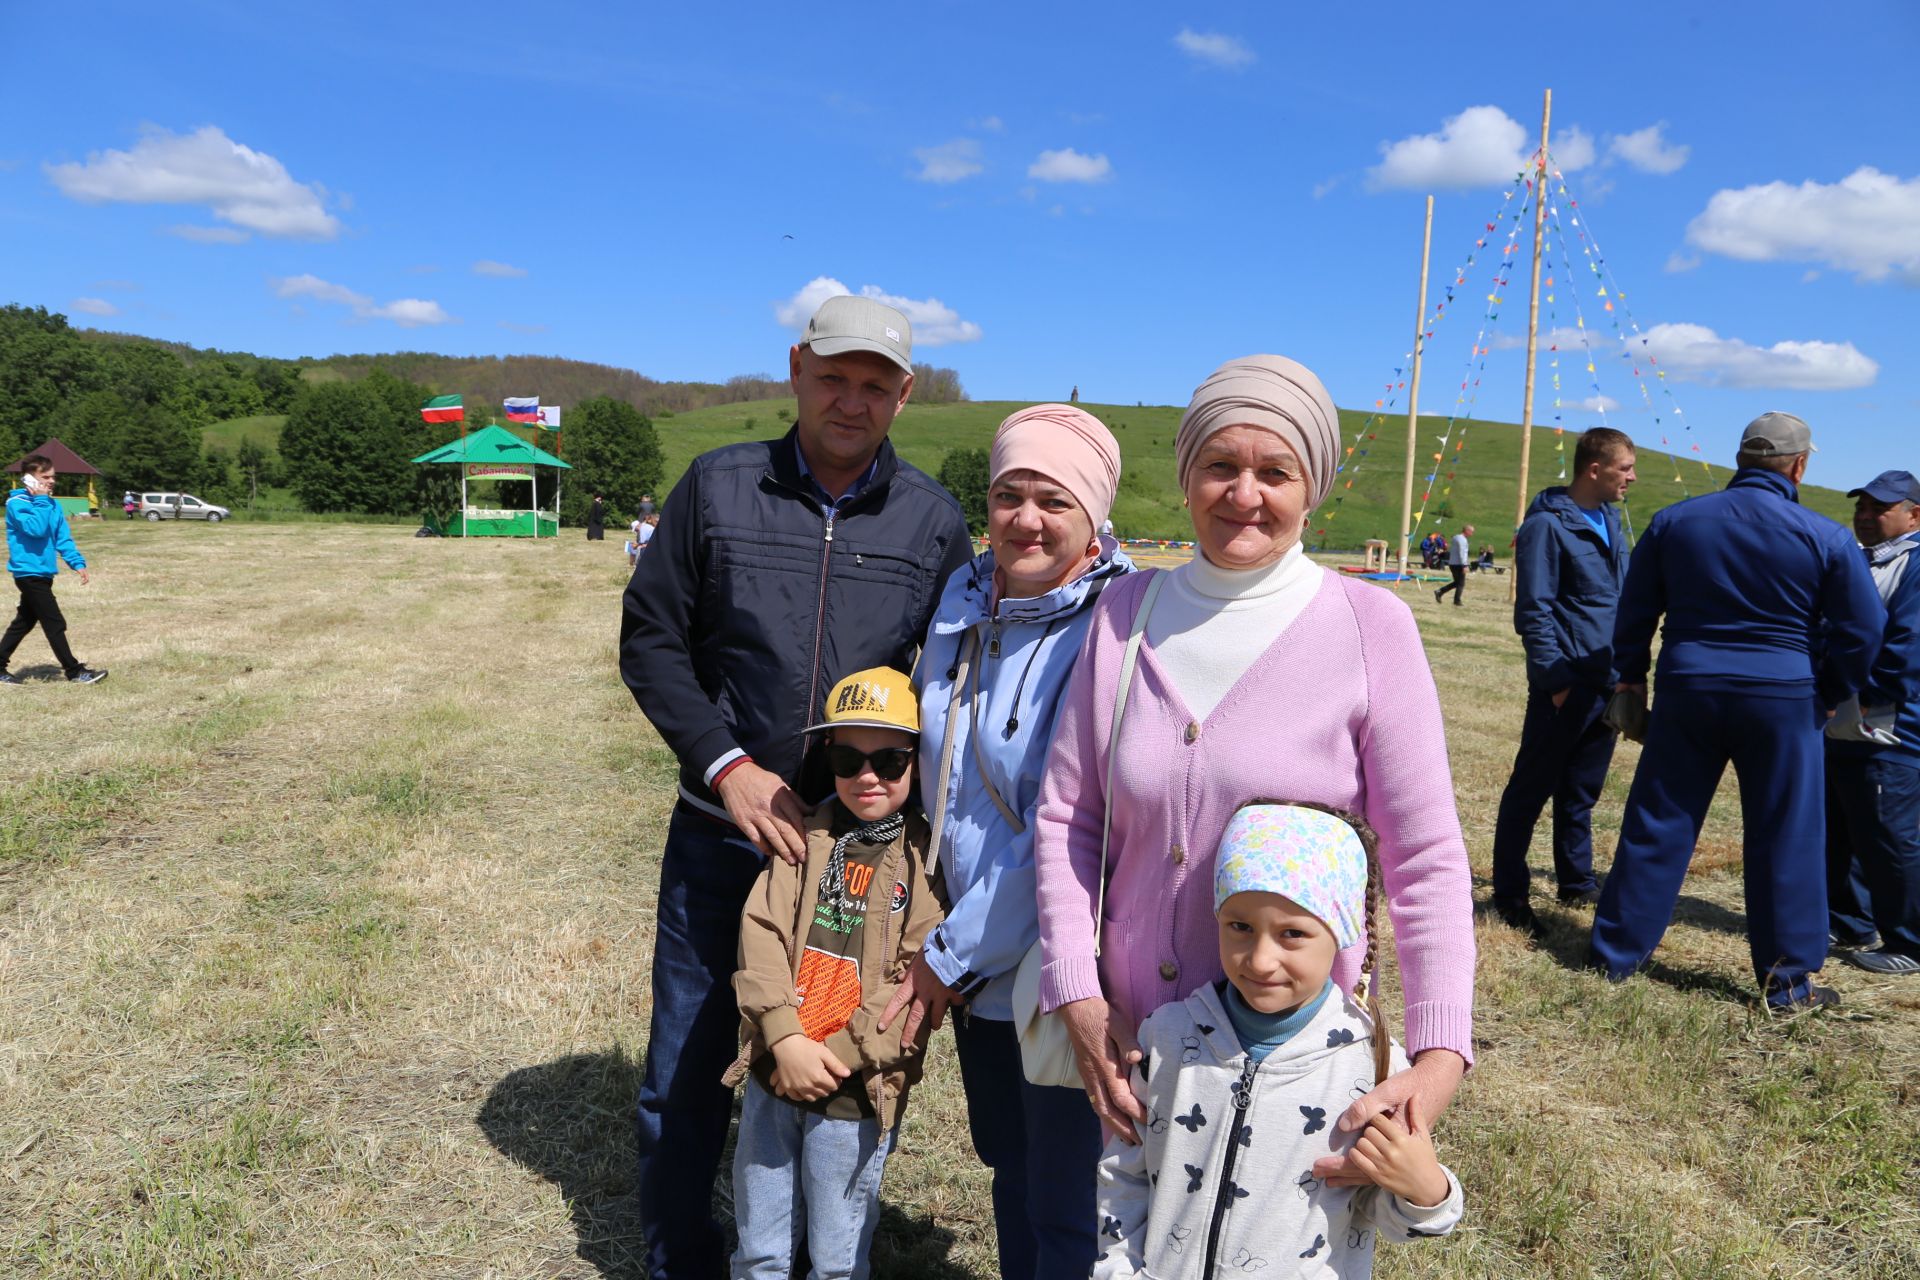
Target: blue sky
<point x="1118" y="197"/>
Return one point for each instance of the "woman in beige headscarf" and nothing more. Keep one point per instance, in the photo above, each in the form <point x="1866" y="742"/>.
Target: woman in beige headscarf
<point x="1260" y="675"/>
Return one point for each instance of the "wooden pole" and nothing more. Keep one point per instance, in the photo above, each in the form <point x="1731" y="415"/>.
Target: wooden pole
<point x="1533" y="332"/>
<point x="1413" y="394"/>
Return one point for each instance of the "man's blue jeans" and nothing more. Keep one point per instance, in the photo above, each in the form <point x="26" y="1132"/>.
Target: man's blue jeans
<point x="799" y="1175"/>
<point x="706" y="872"/>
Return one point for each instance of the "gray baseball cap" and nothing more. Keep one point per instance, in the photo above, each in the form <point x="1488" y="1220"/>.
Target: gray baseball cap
<point x="852" y="323"/>
<point x="1777" y="435"/>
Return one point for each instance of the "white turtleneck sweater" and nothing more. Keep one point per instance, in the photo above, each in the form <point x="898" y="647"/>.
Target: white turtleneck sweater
<point x="1209" y="623"/>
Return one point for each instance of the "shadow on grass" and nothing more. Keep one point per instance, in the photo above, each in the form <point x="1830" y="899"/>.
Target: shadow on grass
<point x="1567" y="936"/>
<point x="1702" y="914"/>
<point x="571" y="1121"/>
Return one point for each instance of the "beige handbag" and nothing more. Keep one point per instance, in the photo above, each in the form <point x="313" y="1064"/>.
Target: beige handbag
<point x="1046" y="1050"/>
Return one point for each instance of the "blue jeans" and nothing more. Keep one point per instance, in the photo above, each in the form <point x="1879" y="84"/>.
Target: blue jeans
<point x="1563" y="757"/>
<point x="1774" y="745"/>
<point x="1043" y="1145"/>
<point x="1873" y="850"/>
<point x="706" y="872"/>
<point x="798" y="1175"/>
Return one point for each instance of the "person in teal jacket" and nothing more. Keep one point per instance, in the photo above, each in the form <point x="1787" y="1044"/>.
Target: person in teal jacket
<point x="37" y="533"/>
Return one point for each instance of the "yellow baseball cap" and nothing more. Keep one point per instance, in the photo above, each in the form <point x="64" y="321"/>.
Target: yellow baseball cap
<point x="878" y="698"/>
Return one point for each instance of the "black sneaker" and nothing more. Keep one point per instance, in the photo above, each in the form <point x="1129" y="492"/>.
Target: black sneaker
<point x="1817" y="997"/>
<point x="86" y="675"/>
<point x="7" y="677"/>
<point x="1517" y="913"/>
<point x="1839" y="943"/>
<point x="1883" y="961"/>
<point x="1579" y="897"/>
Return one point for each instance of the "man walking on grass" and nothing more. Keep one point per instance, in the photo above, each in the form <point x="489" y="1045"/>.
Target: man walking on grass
<point x="1571" y="558"/>
<point x="37" y="533"/>
<point x="1459" y="552"/>
<point x="1748" y="581"/>
<point x="1873" y="753"/>
<point x="778" y="568"/>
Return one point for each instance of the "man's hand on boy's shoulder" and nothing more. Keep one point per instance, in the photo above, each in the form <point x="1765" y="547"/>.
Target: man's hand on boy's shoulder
<point x="805" y="1070"/>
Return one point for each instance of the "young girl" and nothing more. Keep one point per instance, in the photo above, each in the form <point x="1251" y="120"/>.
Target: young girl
<point x="1244" y="1079"/>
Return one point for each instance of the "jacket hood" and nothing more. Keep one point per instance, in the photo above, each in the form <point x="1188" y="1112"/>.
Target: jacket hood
<point x="967" y="600"/>
<point x="1320" y="1039"/>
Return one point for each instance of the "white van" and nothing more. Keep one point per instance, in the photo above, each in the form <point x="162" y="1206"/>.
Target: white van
<point x="180" y="506"/>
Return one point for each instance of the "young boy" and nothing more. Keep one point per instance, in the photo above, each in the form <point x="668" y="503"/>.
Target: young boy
<point x="36" y="533"/>
<point x="823" y="948"/>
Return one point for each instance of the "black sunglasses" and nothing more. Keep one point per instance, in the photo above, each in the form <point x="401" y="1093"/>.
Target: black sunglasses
<point x="888" y="762"/>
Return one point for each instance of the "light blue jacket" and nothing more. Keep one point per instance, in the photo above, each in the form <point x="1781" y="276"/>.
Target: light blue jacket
<point x="36" y="530"/>
<point x="1026" y="651"/>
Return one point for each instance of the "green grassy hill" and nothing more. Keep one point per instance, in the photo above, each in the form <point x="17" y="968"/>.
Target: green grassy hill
<point x="1484" y="483"/>
<point x="1149" y="502"/>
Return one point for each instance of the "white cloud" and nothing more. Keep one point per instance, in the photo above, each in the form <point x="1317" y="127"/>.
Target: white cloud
<point x="1695" y="353"/>
<point x="239" y="185"/>
<point x="1680" y="263"/>
<point x="1566" y="337"/>
<point x="411" y="313"/>
<point x="935" y="324"/>
<point x="1321" y="189"/>
<point x="210" y="235"/>
<point x="1647" y="150"/>
<point x="488" y="267"/>
<point x="988" y="124"/>
<point x="93" y="307"/>
<point x="1230" y="52"/>
<point x="1809" y="276"/>
<point x="1068" y="165"/>
<point x="1481" y="147"/>
<point x="949" y="162"/>
<point x="1597" y="404"/>
<point x="1867" y="223"/>
<point x="408" y="313"/>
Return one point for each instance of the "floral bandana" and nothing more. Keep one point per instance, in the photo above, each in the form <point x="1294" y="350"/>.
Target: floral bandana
<point x="1304" y="854"/>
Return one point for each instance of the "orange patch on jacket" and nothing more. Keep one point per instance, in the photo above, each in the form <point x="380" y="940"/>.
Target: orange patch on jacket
<point x="829" y="990"/>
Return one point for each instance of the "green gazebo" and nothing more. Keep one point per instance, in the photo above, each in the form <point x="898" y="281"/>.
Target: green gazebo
<point x="494" y="453"/>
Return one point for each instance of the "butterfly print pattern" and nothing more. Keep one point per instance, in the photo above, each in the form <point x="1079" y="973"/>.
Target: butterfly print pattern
<point x="1194" y="1175"/>
<point x="1313" y="1250"/>
<point x="1339" y="1036"/>
<point x="1110" y="1226"/>
<point x="1244" y="1260"/>
<point x="1316" y="1118"/>
<point x="1177" y="1239"/>
<point x="1195" y="1120"/>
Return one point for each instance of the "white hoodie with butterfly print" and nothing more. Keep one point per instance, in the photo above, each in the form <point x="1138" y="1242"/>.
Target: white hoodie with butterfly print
<point x="1222" y="1183"/>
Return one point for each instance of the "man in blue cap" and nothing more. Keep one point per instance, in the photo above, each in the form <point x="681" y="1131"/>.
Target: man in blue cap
<point x="1873" y="752"/>
<point x="1747" y="581"/>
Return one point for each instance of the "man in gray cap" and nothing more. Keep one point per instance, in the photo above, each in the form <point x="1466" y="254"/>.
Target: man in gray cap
<point x="1748" y="581"/>
<point x="1873" y="752"/>
<point x="778" y="567"/>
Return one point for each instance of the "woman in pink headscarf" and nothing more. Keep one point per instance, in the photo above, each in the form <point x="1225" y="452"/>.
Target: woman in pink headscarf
<point x="1002" y="644"/>
<point x="1260" y="675"/>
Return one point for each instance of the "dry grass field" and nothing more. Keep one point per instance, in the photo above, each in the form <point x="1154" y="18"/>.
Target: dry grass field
<point x="325" y="927"/>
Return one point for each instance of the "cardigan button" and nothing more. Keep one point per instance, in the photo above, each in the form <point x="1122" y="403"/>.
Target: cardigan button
<point x="1179" y="855"/>
<point x="1193" y="733"/>
<point x="1169" y="971"/>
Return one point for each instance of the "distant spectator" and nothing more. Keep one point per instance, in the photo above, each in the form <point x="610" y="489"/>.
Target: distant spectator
<point x="597" y="519"/>
<point x="130" y="504"/>
<point x="37" y="533"/>
<point x="646" y="505"/>
<point x="1457" y="553"/>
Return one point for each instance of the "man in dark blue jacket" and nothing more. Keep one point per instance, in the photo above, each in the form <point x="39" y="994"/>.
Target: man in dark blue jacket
<point x="1571" y="558"/>
<point x="778" y="567"/>
<point x="1749" y="582"/>
<point x="1873" y="752"/>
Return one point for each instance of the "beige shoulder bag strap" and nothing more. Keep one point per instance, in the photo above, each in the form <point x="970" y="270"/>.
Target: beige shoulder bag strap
<point x="1134" y="637"/>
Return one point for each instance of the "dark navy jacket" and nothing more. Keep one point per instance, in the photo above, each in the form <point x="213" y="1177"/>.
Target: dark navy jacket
<point x="1895" y="679"/>
<point x="1756" y="591"/>
<point x="1568" y="590"/>
<point x="751" y="603"/>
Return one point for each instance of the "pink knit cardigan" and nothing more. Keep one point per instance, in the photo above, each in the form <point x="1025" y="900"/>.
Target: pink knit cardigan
<point x="1340" y="709"/>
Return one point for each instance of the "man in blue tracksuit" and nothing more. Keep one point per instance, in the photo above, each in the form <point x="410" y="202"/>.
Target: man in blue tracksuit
<point x="37" y="533"/>
<point x="779" y="567"/>
<point x="1749" y="583"/>
<point x="1571" y="559"/>
<point x="1873" y="752"/>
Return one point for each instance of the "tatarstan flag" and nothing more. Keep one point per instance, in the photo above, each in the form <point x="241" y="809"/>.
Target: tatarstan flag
<point x="443" y="409"/>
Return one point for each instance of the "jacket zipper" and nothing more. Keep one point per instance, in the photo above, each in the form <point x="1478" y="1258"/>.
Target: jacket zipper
<point x="820" y="618"/>
<point x="1223" y="1195"/>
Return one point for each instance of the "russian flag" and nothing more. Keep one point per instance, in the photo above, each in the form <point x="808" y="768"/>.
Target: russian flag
<point x="522" y="408"/>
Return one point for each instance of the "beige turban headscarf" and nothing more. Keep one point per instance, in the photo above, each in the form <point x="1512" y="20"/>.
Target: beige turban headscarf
<point x="1273" y="392"/>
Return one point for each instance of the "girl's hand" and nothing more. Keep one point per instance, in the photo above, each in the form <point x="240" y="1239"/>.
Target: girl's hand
<point x="1433" y="1077"/>
<point x="1401" y="1159"/>
<point x="1105" y="1050"/>
<point x="807" y="1070"/>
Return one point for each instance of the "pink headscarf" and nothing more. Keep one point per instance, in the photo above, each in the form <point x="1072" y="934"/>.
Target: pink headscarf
<point x="1068" y="446"/>
<point x="1273" y="392"/>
